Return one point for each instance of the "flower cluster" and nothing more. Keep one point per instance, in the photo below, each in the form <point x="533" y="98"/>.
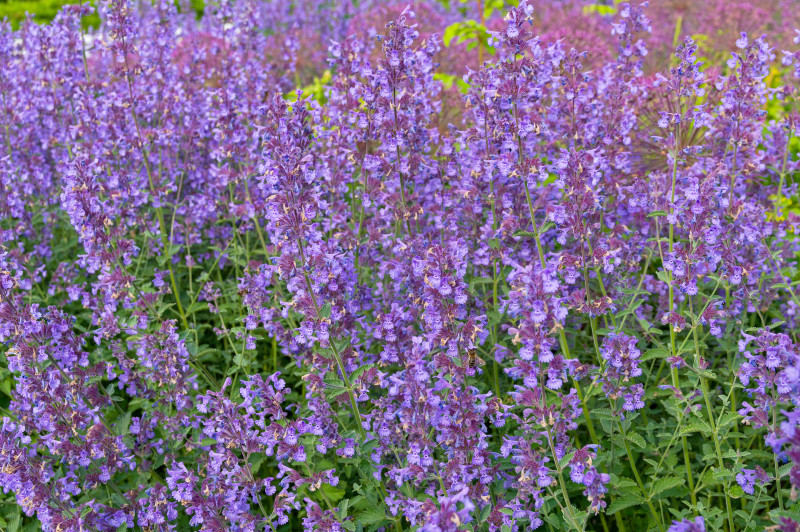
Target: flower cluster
<point x="348" y="266"/>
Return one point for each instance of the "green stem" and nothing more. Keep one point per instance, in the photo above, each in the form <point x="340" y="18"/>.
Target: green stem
<point x="159" y="213"/>
<point x="636" y="475"/>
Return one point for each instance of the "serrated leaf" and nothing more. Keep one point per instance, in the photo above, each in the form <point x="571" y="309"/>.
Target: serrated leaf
<point x="360" y="371"/>
<point x="736" y="491"/>
<point x="335" y="494"/>
<point x="728" y="418"/>
<point x="626" y="483"/>
<point x="197" y="306"/>
<point x="776" y="514"/>
<point x="565" y="459"/>
<point x="208" y="442"/>
<point x="119" y="500"/>
<point x="602" y="413"/>
<point x="94" y="379"/>
<point x="372" y="516"/>
<point x="664" y="484"/>
<point x="696" y="425"/>
<point x="333" y="382"/>
<point x="656" y="214"/>
<point x="658" y="352"/>
<point x="341" y="511"/>
<point x="636" y="439"/>
<point x="122" y="424"/>
<point x="623" y="502"/>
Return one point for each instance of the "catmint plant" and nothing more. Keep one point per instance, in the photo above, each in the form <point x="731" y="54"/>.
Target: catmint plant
<point x="363" y="266"/>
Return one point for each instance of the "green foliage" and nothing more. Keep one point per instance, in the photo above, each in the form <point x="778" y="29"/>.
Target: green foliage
<point x="471" y="32"/>
<point x="43" y="11"/>
<point x="599" y="9"/>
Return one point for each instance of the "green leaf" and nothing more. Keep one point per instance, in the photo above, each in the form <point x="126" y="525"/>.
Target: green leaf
<point x="645" y="325"/>
<point x="122" y="424"/>
<point x="446" y="79"/>
<point x="565" y="460"/>
<point x="658" y="352"/>
<point x="197" y="306"/>
<point x="334" y="387"/>
<point x="579" y="517"/>
<point x="463" y="86"/>
<point x="603" y="413"/>
<point x="93" y="380"/>
<point x="333" y="382"/>
<point x="623" y="502"/>
<point x="664" y="484"/>
<point x="696" y="425"/>
<point x="450" y="33"/>
<point x="325" y="311"/>
<point x="728" y="418"/>
<point x="776" y="514"/>
<point x="119" y="500"/>
<point x="360" y="371"/>
<point x="372" y="516"/>
<point x="208" y="442"/>
<point x="736" y="491"/>
<point x="636" y="439"/>
<point x="626" y="483"/>
<point x="600" y="9"/>
<point x="655" y="214"/>
<point x="334" y="494"/>
<point x="493" y="318"/>
<point x="13" y="525"/>
<point x="341" y="512"/>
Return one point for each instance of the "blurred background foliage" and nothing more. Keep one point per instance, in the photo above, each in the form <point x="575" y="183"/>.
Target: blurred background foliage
<point x="713" y="33"/>
<point x="45" y="10"/>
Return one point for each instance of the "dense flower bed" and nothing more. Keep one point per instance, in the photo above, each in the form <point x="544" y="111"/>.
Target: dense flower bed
<point x="480" y="273"/>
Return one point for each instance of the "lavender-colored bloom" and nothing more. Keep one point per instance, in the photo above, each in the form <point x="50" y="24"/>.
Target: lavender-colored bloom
<point x="687" y="525"/>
